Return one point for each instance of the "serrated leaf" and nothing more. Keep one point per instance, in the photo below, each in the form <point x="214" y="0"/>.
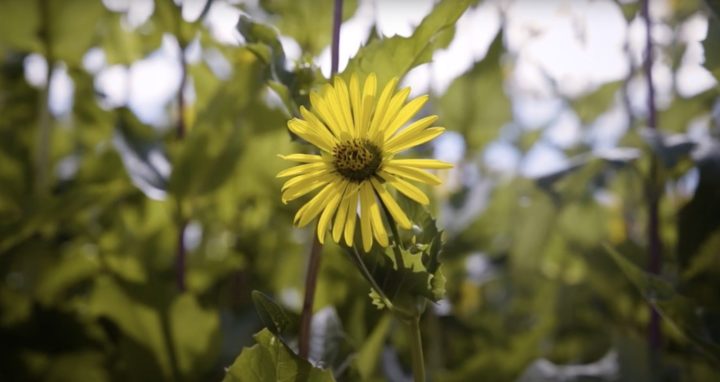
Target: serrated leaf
<point x="395" y="56"/>
<point x="271" y="360"/>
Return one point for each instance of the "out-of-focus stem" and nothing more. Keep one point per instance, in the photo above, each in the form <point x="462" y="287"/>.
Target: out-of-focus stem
<point x="44" y="132"/>
<point x="310" y="285"/>
<point x="416" y="348"/>
<point x="180" y="129"/>
<point x="337" y="22"/>
<point x="654" y="189"/>
<point x="314" y="261"/>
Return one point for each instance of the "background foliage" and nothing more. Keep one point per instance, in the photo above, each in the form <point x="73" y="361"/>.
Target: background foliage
<point x="545" y="276"/>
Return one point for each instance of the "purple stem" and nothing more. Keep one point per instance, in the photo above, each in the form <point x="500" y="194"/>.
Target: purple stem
<point x="654" y="189"/>
<point x="335" y="50"/>
<point x="314" y="261"/>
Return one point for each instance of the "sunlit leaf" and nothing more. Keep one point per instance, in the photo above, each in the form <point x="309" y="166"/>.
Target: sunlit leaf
<point x="270" y="359"/>
<point x="395" y="56"/>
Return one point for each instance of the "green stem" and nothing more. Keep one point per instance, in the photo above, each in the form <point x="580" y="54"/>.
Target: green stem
<point x="416" y="347"/>
<point x="396" y="235"/>
<point x="355" y="256"/>
<point x="166" y="327"/>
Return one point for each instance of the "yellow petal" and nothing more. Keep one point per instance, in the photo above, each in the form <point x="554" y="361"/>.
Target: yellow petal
<point x="370" y="87"/>
<point x="302" y="158"/>
<point x="421" y="163"/>
<point x="406" y="188"/>
<point x="313" y="136"/>
<point x="412" y="130"/>
<point x="322" y="108"/>
<point x="397" y="213"/>
<point x="365" y="220"/>
<point x="343" y="96"/>
<point x="302" y="185"/>
<point x="378" y="226"/>
<point x="368" y="106"/>
<point x="391" y="112"/>
<point x="301" y="169"/>
<point x="405" y="114"/>
<point x="341" y="217"/>
<point x="312" y="208"/>
<point x="329" y="211"/>
<point x="382" y="105"/>
<point x="413" y="173"/>
<point x="351" y="218"/>
<point x="417" y="139"/>
<point x="356" y="102"/>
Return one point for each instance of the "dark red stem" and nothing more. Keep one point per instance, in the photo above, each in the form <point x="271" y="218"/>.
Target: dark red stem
<point x="654" y="189"/>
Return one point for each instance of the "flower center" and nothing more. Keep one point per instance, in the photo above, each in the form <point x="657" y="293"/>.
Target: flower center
<point x="357" y="159"/>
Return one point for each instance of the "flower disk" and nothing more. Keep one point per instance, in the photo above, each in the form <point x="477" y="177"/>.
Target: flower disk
<point x="358" y="133"/>
<point x="357" y="159"/>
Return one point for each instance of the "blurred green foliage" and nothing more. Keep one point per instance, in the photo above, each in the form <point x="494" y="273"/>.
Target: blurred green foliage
<point x="543" y="278"/>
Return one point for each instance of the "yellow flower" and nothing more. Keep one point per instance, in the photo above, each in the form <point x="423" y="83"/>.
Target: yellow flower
<point x="359" y="133"/>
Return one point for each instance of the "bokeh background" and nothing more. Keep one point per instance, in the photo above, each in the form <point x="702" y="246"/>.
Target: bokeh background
<point x="134" y="130"/>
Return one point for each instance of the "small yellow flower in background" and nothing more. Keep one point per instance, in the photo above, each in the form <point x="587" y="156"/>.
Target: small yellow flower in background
<point x="359" y="133"/>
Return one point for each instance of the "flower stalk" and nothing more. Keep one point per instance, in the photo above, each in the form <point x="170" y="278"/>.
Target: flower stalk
<point x="654" y="189"/>
<point x="416" y="348"/>
<point x="314" y="261"/>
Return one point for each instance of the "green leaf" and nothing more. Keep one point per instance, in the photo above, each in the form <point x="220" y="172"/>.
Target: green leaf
<point x="291" y="86"/>
<point x="711" y="44"/>
<point x="172" y="331"/>
<point x="195" y="334"/>
<point x="475" y="103"/>
<point x="700" y="217"/>
<point x="271" y="360"/>
<point x="309" y="26"/>
<point x="206" y="161"/>
<point x="369" y="354"/>
<point x="671" y="150"/>
<point x="395" y="56"/>
<point x="123" y="46"/>
<point x="20" y="24"/>
<point x="682" y="111"/>
<point x="590" y="106"/>
<point x="678" y="310"/>
<point x="272" y="315"/>
<point x="714" y="6"/>
<point x="69" y="27"/>
<point x="330" y="347"/>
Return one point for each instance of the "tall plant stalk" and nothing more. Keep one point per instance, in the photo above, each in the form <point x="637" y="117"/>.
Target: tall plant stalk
<point x="316" y="249"/>
<point x="180" y="129"/>
<point x="44" y="133"/>
<point x="654" y="188"/>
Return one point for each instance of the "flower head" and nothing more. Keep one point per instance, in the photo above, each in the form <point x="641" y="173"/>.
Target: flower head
<point x="359" y="132"/>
